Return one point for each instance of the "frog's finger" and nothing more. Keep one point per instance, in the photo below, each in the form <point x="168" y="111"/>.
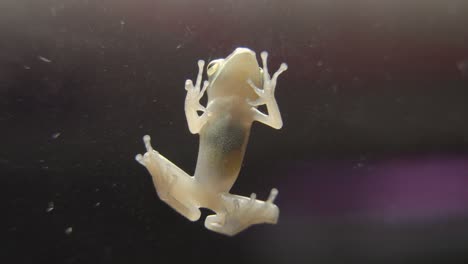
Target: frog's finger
<point x="188" y="85"/>
<point x="257" y="90"/>
<point x="201" y="64"/>
<point x="202" y="92"/>
<point x="281" y="69"/>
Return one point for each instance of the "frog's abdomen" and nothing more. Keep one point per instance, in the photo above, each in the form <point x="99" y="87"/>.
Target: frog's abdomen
<point x="222" y="146"/>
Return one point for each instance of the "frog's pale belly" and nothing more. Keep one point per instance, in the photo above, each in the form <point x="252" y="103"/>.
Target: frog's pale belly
<point x="223" y="141"/>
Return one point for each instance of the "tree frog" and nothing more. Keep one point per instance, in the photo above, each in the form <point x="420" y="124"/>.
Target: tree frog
<point x="234" y="94"/>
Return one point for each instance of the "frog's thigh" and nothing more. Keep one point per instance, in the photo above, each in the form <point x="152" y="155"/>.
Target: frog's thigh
<point x="179" y="190"/>
<point x="173" y="185"/>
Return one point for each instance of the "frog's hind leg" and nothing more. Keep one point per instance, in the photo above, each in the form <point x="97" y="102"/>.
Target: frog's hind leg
<point x="241" y="212"/>
<point x="173" y="185"/>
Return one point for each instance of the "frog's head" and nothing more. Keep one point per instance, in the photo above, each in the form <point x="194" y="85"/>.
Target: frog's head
<point x="229" y="76"/>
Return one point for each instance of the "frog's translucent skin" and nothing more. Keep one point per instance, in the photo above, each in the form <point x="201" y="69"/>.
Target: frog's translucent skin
<point x="224" y="128"/>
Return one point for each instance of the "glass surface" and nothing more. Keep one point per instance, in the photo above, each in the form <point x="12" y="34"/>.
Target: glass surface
<point x="371" y="163"/>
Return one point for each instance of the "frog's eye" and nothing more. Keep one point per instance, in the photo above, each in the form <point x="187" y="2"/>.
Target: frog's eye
<point x="212" y="67"/>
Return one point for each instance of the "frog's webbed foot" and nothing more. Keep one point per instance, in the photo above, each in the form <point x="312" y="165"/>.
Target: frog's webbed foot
<point x="173" y="185"/>
<point x="266" y="96"/>
<point x="242" y="212"/>
<point x="192" y="101"/>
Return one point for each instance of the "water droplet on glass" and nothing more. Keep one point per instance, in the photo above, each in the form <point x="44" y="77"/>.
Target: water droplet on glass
<point x="50" y="207"/>
<point x="68" y="230"/>
<point x="44" y="59"/>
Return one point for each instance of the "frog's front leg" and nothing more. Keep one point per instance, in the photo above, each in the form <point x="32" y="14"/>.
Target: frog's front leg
<point x="173" y="185"/>
<point x="192" y="101"/>
<point x="267" y="96"/>
<point x="241" y="212"/>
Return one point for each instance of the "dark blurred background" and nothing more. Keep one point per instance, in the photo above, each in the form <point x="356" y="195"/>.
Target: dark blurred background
<point x="371" y="164"/>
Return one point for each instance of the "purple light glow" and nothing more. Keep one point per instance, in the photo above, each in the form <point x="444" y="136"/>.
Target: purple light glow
<point x="396" y="188"/>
